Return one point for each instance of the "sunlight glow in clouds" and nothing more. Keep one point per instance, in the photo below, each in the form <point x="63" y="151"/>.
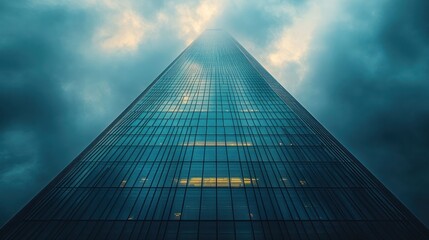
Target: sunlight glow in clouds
<point x="294" y="42"/>
<point x="193" y="20"/>
<point x="125" y="32"/>
<point x="124" y="29"/>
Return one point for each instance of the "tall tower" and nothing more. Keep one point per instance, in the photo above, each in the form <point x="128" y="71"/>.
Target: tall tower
<point x="215" y="148"/>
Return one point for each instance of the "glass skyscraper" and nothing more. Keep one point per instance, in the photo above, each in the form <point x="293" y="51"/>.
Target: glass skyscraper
<point x="215" y="148"/>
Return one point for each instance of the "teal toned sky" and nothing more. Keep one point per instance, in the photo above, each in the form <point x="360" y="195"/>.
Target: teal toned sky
<point x="68" y="68"/>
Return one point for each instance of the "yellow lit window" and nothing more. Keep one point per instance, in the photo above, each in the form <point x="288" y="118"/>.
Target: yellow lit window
<point x="217" y="182"/>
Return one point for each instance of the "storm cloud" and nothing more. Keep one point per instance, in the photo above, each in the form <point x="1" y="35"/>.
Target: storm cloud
<point x="368" y="82"/>
<point x="68" y="68"/>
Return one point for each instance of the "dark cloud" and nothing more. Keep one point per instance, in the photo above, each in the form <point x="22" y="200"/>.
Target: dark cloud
<point x="33" y="55"/>
<point x="46" y="71"/>
<point x="368" y="83"/>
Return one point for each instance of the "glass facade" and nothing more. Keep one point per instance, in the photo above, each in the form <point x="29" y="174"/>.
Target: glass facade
<point x="215" y="148"/>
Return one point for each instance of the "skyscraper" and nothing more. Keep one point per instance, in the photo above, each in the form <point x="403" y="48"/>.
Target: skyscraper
<point x="215" y="148"/>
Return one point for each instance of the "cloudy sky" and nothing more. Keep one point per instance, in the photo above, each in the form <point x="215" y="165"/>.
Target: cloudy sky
<point x="68" y="68"/>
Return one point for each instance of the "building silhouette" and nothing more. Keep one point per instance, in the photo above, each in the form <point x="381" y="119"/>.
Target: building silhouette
<point x="215" y="148"/>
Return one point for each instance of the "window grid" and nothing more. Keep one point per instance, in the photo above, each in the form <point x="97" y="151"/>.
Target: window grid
<point x="216" y="149"/>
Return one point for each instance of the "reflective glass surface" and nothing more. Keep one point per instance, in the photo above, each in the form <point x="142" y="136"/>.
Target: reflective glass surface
<point x="215" y="148"/>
